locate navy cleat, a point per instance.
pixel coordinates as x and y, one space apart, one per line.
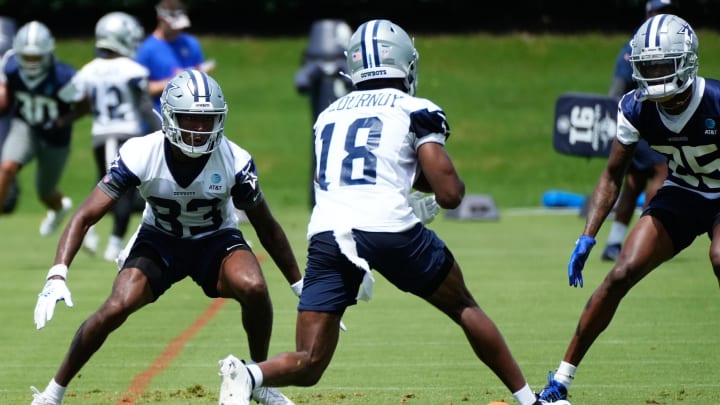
611 252
554 393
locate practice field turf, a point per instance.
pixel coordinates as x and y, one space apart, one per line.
660 349
499 94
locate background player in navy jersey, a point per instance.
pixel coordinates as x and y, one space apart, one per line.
372 146
193 178
32 85
648 168
676 112
117 87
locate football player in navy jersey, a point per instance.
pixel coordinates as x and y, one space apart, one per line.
676 112
372 147
648 168
32 84
193 180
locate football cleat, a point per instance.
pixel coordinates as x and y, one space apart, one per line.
114 247
53 219
236 385
611 252
554 393
40 398
91 241
270 396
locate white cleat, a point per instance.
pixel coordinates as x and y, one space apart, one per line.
91 242
40 398
235 382
114 247
270 396
53 219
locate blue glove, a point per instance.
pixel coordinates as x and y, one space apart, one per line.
583 246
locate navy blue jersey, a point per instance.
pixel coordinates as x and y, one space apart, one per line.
42 103
689 140
623 68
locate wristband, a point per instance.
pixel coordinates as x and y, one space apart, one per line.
58 270
297 287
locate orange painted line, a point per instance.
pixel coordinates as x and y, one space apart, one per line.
140 383
172 350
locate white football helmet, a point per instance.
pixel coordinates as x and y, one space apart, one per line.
664 57
193 92
380 49
34 46
119 32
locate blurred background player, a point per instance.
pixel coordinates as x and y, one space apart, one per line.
117 87
31 77
648 168
168 49
8 28
323 75
192 178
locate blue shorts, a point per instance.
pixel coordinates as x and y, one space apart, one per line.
645 157
166 259
415 261
684 214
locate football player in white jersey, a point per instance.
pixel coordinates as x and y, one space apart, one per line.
193 180
372 147
676 112
117 87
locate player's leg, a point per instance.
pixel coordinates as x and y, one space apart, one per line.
17 151
715 250
131 291
241 278
624 209
51 161
453 298
648 245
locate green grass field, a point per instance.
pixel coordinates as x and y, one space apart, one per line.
499 94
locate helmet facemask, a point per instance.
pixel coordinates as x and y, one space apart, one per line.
664 57
34 46
193 93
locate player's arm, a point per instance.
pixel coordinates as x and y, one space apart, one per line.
92 209
608 186
439 175
274 240
247 196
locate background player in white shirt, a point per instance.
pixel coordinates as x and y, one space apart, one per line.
193 180
372 146
117 87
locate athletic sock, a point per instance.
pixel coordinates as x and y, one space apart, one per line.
525 396
617 233
565 374
55 391
256 374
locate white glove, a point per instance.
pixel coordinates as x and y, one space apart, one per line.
424 207
297 289
55 290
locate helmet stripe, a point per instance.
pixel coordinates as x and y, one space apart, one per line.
33 33
653 31
200 84
370 54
